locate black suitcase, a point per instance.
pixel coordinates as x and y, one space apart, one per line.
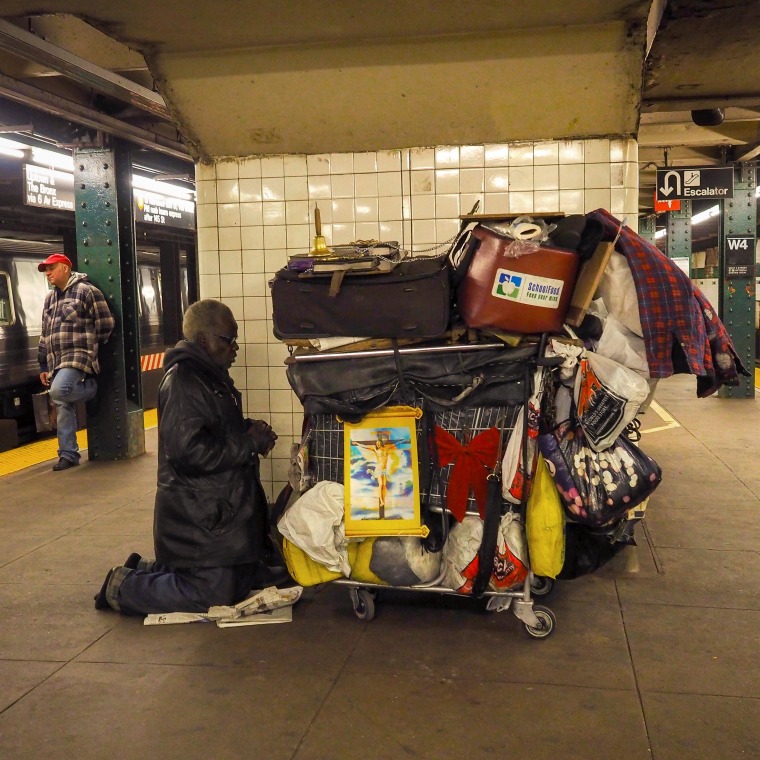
412 300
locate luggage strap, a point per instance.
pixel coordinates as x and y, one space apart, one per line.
491 521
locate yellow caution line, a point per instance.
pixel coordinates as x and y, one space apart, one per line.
42 451
669 421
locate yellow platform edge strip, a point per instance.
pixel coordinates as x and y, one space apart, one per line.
47 450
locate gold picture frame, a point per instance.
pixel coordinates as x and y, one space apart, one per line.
381 474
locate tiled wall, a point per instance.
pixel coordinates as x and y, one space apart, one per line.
254 212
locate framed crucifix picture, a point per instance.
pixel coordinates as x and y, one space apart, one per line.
381 475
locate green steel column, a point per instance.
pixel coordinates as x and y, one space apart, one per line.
679 233
737 305
106 252
648 227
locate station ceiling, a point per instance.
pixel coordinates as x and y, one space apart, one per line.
195 80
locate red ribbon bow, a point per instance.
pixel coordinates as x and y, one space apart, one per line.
472 465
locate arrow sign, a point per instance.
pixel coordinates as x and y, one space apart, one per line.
666 188
694 183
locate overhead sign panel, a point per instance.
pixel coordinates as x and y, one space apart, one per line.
156 208
52 189
48 188
695 183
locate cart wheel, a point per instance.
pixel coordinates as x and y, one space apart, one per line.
546 621
364 604
540 585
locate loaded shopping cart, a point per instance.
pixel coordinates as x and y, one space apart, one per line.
412 441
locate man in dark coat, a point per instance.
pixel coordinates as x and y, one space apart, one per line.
211 524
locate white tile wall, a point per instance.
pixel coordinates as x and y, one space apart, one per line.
253 213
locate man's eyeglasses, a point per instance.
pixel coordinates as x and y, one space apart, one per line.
227 339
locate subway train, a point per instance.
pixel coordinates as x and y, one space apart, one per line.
22 293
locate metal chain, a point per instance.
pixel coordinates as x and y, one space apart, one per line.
440 245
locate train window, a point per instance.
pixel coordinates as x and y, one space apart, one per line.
32 287
7 316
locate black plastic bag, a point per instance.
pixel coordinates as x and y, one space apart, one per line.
586 551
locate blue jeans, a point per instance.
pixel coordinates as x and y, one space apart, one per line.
155 588
69 386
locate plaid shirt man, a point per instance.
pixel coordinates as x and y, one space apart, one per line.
74 321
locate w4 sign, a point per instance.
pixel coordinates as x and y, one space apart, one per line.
740 256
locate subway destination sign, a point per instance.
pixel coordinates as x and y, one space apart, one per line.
694 183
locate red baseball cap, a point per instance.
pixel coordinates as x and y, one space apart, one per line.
56 258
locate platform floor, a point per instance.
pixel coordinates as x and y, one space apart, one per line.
655 657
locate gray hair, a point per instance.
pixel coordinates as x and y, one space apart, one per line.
204 316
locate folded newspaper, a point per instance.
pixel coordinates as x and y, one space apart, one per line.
271 605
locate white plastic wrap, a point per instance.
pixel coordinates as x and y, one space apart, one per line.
314 523
618 291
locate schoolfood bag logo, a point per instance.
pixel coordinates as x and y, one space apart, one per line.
527 288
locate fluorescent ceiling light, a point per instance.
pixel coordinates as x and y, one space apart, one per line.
10 152
702 216
11 148
50 158
161 188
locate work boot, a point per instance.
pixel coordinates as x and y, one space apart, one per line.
271 575
132 561
101 603
64 464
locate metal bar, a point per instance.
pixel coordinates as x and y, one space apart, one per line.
106 247
649 104
33 48
429 589
679 233
27 95
737 302
391 352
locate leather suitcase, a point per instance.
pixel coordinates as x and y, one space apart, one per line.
412 300
527 294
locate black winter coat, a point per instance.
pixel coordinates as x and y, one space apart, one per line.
210 507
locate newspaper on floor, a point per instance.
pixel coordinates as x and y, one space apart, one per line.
271 605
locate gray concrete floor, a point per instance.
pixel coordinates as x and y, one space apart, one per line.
655 657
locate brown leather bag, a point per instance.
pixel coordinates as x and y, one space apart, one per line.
526 294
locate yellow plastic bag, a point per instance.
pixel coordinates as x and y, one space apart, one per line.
545 525
303 569
307 572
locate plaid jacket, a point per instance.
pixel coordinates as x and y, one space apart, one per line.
682 332
74 322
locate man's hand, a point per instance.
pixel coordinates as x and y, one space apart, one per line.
44 379
263 436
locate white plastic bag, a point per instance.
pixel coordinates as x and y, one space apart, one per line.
622 345
607 397
460 554
515 473
618 291
315 524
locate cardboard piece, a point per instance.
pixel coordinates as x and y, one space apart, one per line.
587 283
